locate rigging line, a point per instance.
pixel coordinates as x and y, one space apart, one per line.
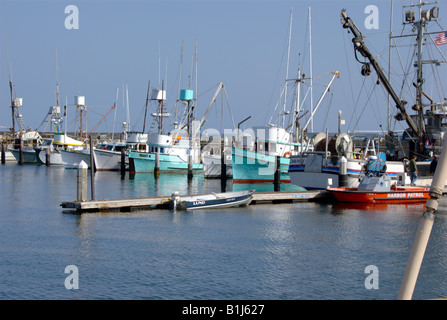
405 71
379 121
277 104
434 73
356 102
364 107
328 109
229 108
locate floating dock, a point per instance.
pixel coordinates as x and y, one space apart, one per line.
136 204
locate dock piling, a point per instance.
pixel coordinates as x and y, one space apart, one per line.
92 169
82 182
277 178
3 153
47 157
21 160
343 173
123 163
157 164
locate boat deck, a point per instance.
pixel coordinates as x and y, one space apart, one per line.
136 204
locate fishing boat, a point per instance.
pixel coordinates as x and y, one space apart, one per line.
51 147
29 140
213 200
172 152
378 189
108 156
255 158
313 169
72 158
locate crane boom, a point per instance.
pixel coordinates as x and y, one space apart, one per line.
360 46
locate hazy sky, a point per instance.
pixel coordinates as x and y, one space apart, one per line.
241 43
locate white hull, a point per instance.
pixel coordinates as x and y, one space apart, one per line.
55 157
106 160
72 159
213 168
317 172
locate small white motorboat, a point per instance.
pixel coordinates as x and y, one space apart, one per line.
213 200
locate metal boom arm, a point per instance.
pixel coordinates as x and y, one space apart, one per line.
360 46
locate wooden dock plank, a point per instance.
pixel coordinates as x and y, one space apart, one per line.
164 202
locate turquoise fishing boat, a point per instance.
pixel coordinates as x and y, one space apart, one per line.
174 150
251 167
254 158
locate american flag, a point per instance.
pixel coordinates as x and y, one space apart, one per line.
441 39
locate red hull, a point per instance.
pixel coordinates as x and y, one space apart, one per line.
397 195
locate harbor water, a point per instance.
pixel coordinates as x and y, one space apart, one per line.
263 251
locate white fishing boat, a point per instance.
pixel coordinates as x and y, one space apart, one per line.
108 156
72 158
51 148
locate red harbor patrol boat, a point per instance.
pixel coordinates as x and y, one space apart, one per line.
378 189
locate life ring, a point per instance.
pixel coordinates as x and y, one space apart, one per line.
287 154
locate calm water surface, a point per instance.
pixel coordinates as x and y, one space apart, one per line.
283 251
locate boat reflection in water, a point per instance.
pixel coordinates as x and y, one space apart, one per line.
410 208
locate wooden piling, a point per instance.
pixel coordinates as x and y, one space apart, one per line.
123 162
190 175
81 194
92 169
157 164
3 153
47 156
277 178
21 160
223 165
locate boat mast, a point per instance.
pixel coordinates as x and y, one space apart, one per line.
145 109
287 69
418 107
388 122
12 97
178 85
311 75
